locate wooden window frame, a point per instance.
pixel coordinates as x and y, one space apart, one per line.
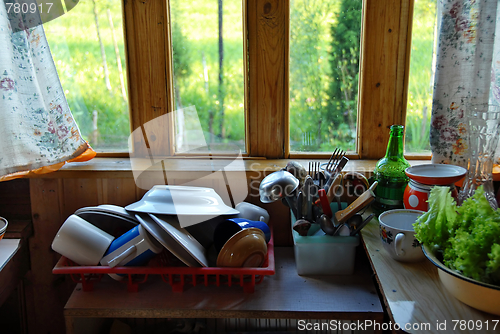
383 83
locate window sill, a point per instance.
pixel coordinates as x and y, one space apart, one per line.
122 168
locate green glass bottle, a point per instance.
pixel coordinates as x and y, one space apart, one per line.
390 174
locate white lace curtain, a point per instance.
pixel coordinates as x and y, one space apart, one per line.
38 131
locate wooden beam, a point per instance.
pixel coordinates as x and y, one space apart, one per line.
383 73
267 24
149 70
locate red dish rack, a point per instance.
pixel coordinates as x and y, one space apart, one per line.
167 266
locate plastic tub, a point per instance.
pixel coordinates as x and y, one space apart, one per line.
324 254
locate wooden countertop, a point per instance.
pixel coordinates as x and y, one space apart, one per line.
413 293
284 295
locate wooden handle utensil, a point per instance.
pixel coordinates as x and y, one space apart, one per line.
362 201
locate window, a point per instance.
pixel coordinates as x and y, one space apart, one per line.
324 67
157 87
88 49
421 77
209 94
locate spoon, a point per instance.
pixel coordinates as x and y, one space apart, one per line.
342 230
300 200
326 224
363 224
355 220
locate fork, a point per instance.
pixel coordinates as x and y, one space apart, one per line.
332 164
313 168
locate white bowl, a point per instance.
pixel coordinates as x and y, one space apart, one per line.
482 296
192 205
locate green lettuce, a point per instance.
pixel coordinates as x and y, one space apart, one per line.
467 236
434 227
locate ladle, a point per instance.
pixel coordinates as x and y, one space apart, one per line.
278 185
302 226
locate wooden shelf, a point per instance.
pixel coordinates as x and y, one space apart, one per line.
413 293
285 295
120 167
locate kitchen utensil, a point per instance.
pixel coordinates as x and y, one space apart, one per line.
166 240
308 198
436 174
355 220
247 248
353 184
342 230
325 203
252 212
334 188
361 202
300 205
479 295
302 227
81 242
110 210
278 185
111 223
334 160
182 237
326 224
398 235
343 161
316 206
320 179
229 227
313 168
360 226
134 248
297 170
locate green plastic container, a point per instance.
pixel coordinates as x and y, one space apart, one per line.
317 254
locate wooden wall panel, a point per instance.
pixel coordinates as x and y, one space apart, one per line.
46 293
15 200
79 193
120 192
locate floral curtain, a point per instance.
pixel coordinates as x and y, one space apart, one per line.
39 134
467 70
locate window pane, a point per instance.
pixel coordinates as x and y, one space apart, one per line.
324 67
87 47
207 41
421 77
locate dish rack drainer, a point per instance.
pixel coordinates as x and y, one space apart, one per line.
172 272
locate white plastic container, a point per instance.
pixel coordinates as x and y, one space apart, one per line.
324 254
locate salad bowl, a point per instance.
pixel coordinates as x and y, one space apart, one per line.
482 296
